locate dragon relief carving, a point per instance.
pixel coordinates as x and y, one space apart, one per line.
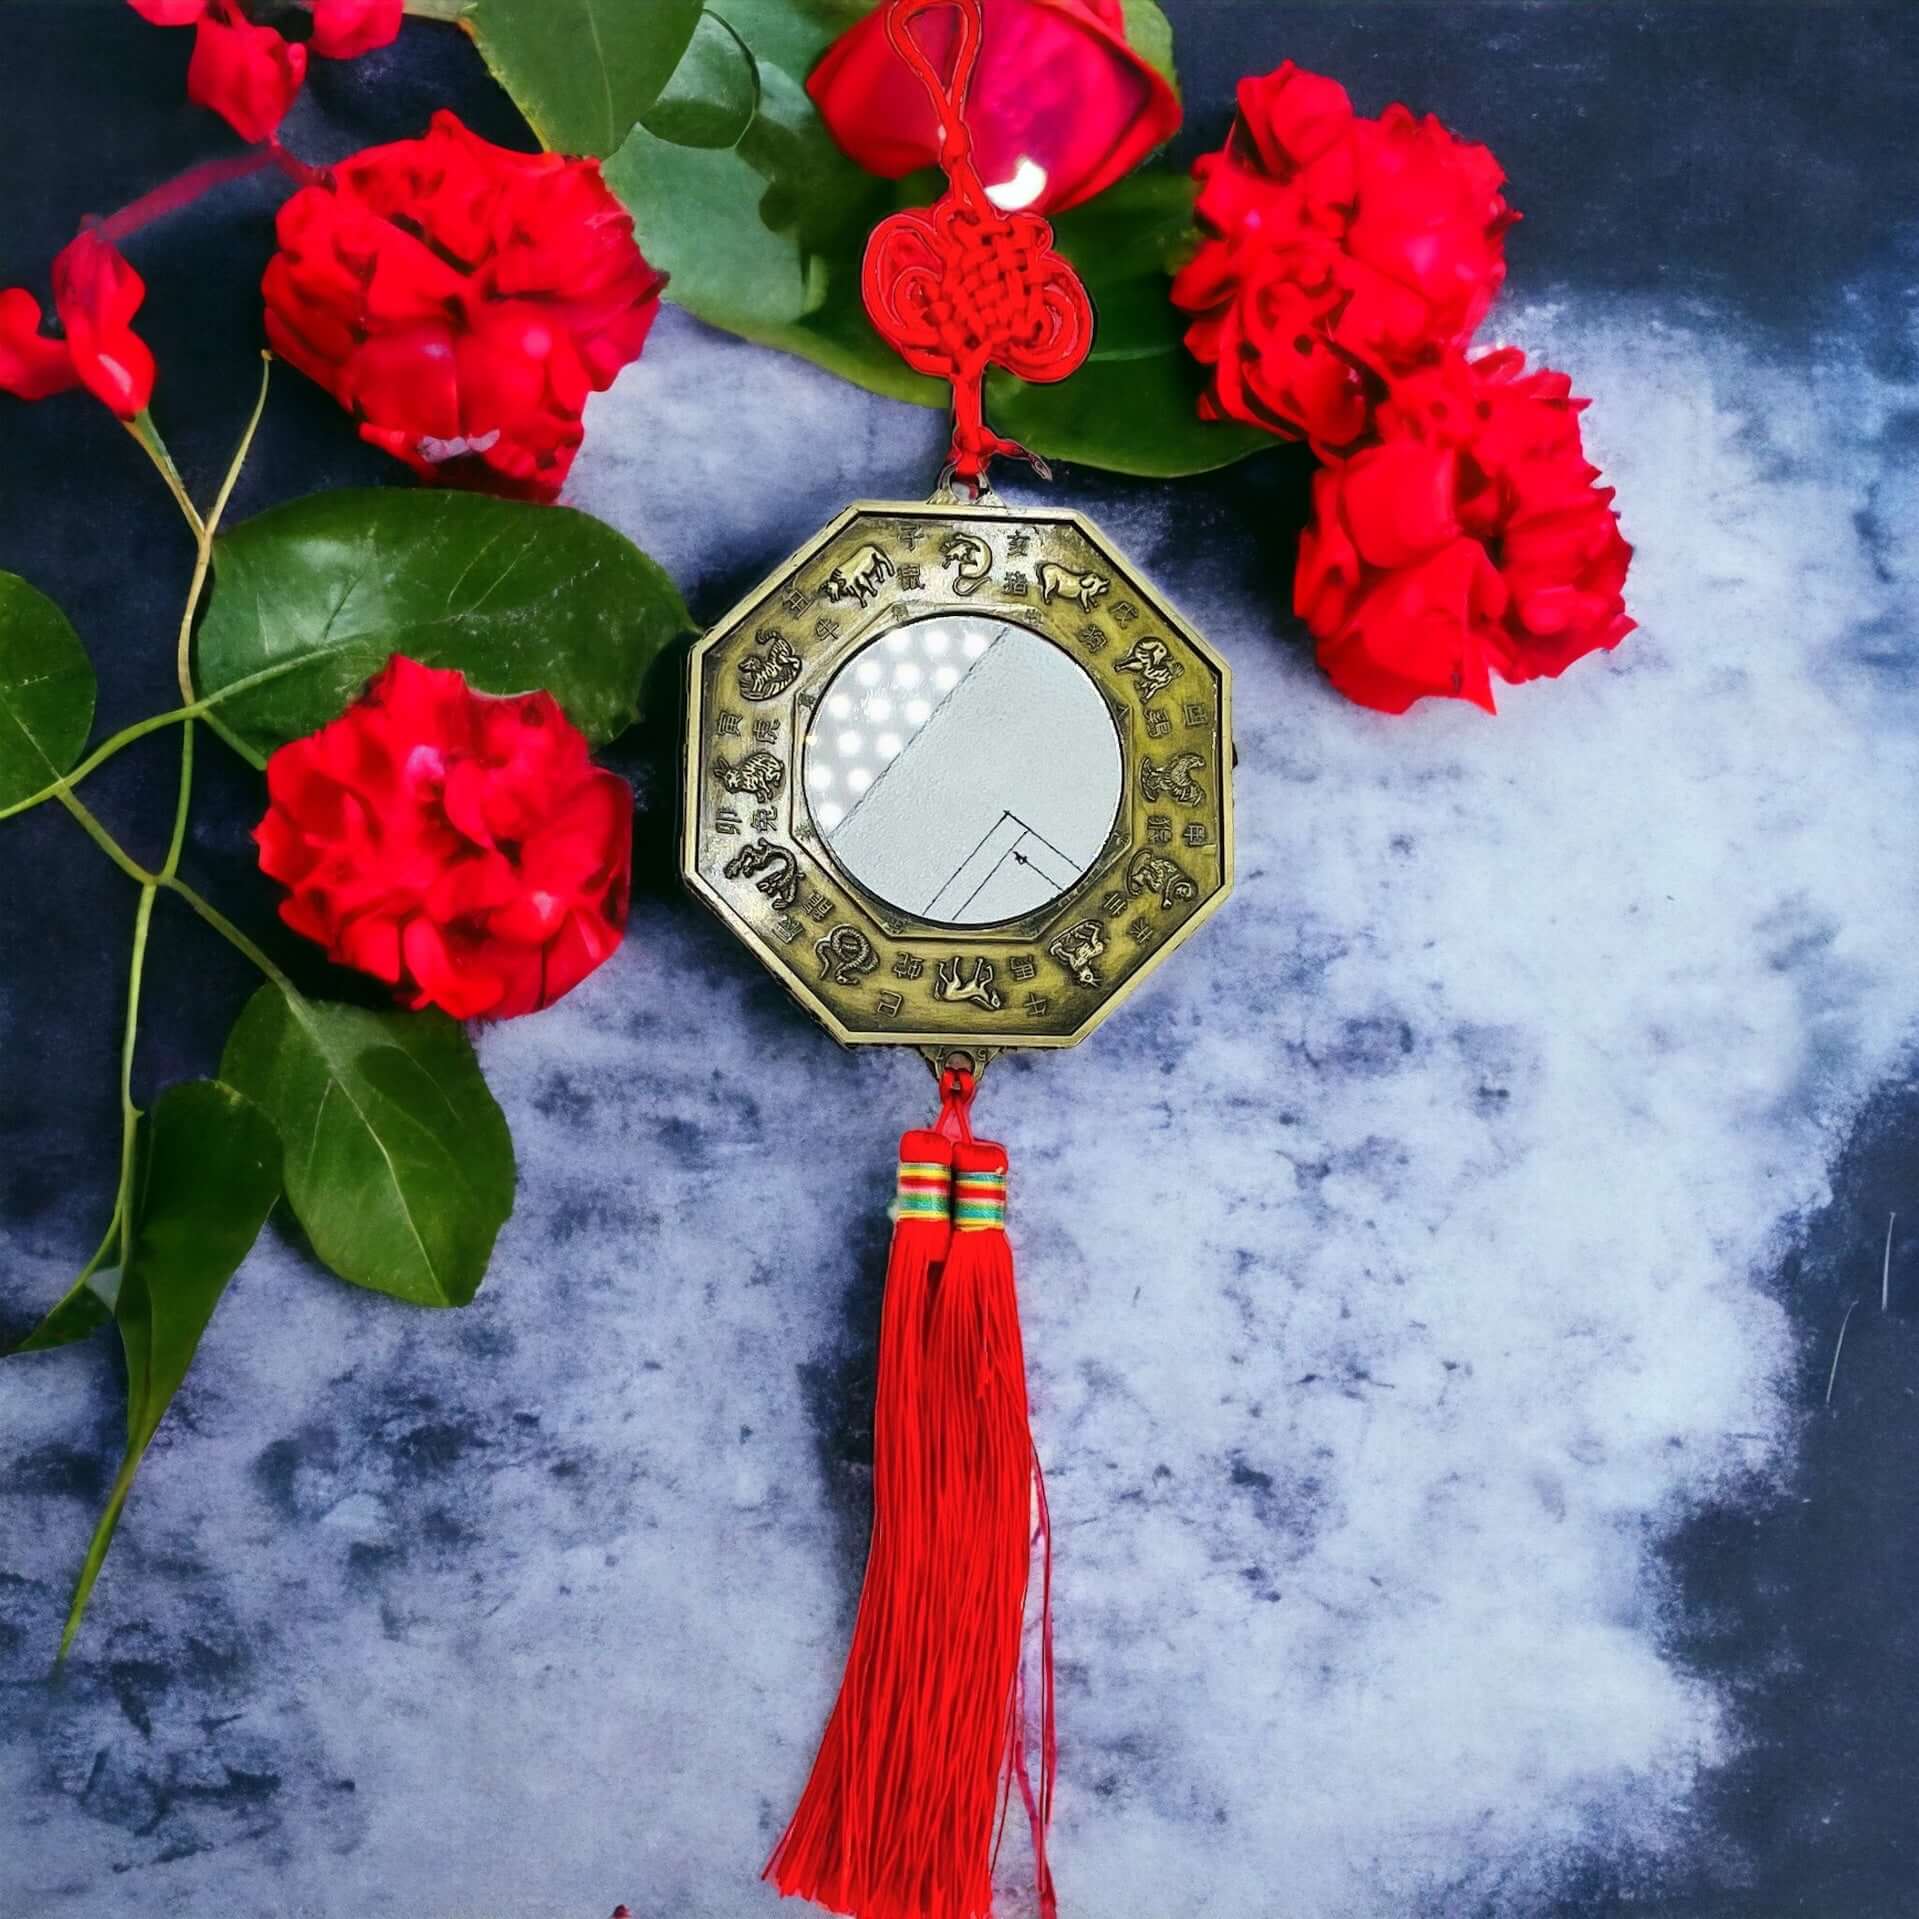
771 868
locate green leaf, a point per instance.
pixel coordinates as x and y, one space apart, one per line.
46 691
1150 34
209 1174
766 241
583 71
714 92
310 599
398 1161
85 1306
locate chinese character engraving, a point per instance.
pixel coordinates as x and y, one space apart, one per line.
908 966
1195 834
1015 585
1022 966
1159 828
1157 724
888 1004
727 726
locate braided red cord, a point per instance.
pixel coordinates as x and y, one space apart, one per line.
958 286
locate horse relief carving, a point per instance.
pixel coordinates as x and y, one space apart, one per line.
861 577
950 982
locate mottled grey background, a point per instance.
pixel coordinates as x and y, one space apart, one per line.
1431 1282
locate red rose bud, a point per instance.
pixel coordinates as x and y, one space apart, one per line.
345 29
462 301
1060 106
1471 539
1339 251
245 73
96 295
460 847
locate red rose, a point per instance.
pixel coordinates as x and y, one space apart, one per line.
463 848
245 72
1470 539
1060 106
1340 251
462 301
96 295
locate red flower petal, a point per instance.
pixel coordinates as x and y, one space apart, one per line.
169 13
31 366
97 295
462 300
247 74
345 29
461 847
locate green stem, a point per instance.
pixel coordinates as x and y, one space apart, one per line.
148 436
130 1113
231 933
101 754
204 532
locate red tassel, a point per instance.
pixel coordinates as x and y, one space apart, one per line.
899 1819
985 1487
848 1846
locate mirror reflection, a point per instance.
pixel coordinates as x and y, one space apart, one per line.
963 769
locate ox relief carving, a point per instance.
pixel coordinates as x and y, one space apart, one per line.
861 577
771 868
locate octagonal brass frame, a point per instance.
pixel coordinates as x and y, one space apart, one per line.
871 973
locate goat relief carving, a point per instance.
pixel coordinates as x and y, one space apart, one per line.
976 988
1156 668
771 868
1061 582
861 577
766 675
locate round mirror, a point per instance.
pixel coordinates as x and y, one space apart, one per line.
963 769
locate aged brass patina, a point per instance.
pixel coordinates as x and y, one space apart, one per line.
872 972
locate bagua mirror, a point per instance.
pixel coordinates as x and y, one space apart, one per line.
958 776
961 778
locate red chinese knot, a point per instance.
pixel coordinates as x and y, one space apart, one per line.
960 286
